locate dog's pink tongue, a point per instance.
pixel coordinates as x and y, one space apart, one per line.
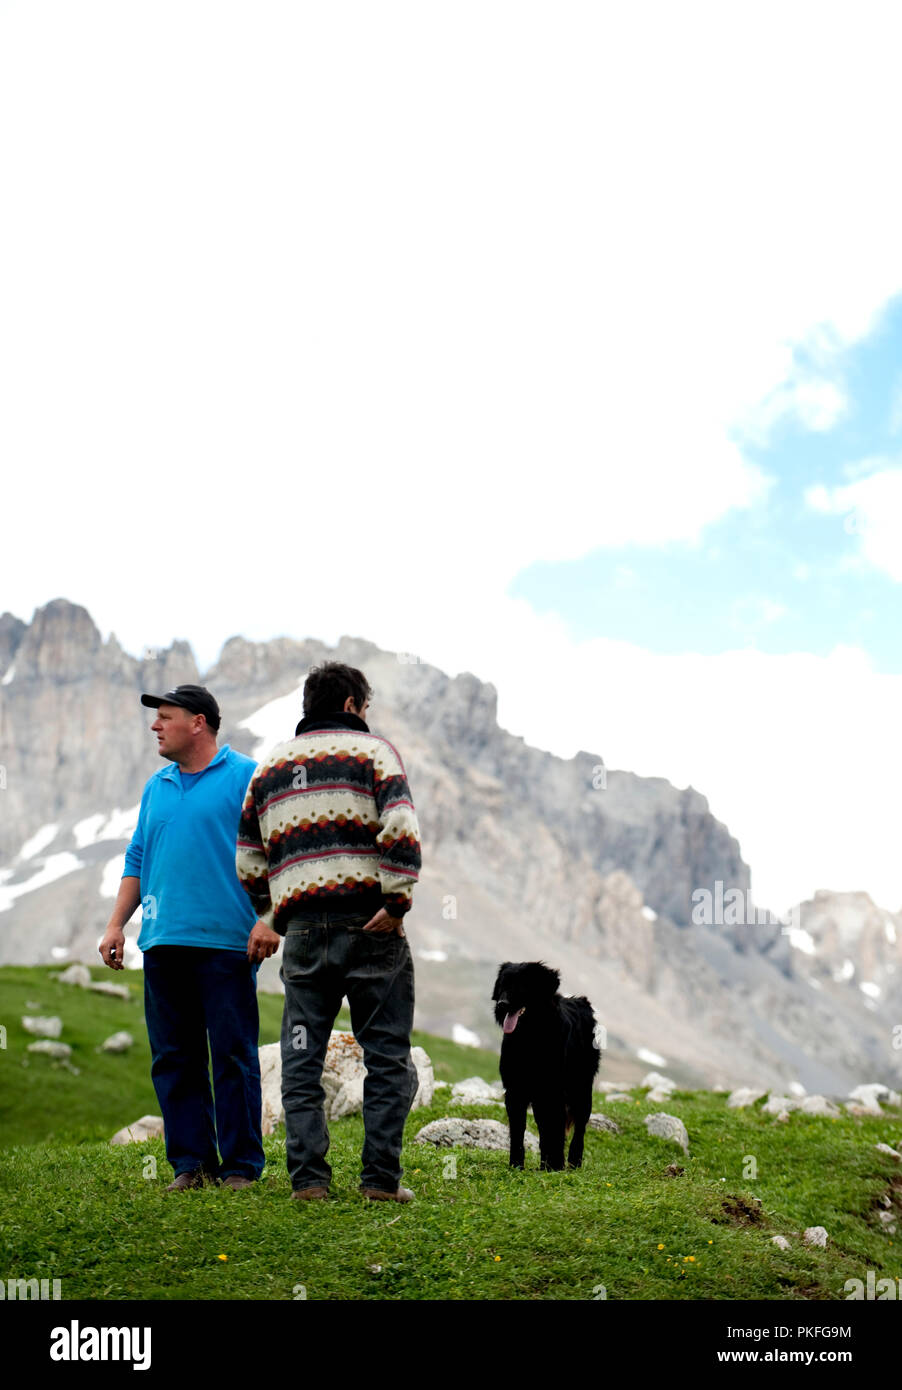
510 1022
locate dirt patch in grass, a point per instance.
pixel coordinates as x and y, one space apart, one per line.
815 1292
889 1202
740 1212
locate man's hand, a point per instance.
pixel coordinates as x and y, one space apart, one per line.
114 940
383 923
262 943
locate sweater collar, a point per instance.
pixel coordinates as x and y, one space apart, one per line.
338 719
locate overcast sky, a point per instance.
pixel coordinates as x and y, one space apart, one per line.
555 342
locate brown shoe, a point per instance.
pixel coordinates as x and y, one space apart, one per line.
379 1194
188 1181
304 1194
236 1181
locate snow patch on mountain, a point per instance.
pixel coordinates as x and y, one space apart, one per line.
86 832
270 722
112 876
39 841
801 940
55 866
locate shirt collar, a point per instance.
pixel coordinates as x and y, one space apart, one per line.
172 771
338 719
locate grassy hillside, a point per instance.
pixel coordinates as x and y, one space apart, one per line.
40 1099
640 1220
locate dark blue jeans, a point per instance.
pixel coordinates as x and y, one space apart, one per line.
190 993
324 958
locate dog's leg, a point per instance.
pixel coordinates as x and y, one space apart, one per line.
575 1154
551 1120
515 1104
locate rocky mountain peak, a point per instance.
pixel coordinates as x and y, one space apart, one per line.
12 630
60 644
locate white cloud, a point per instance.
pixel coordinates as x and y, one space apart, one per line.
815 401
512 325
872 507
368 308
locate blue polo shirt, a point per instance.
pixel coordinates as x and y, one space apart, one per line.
183 851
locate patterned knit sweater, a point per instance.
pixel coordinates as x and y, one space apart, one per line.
328 822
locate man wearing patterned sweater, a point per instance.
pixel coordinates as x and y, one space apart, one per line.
328 852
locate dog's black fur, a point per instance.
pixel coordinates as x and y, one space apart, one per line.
548 1059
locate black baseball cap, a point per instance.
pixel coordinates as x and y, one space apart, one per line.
195 698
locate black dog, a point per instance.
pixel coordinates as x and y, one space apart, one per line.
548 1058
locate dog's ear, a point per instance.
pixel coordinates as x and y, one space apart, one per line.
551 978
501 970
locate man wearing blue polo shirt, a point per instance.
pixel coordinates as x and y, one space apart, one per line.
202 945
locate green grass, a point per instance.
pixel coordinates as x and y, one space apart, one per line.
96 1217
112 1089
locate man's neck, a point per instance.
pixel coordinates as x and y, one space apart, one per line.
198 759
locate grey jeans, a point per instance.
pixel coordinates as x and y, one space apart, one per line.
323 959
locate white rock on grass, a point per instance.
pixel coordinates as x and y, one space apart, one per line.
148 1127
621 1096
607 1086
776 1105
816 1235
781 1241
75 975
61 1051
873 1092
107 987
819 1105
457 1132
603 1124
796 1088
656 1082
43 1027
476 1091
342 1079
854 1107
117 1042
656 1096
665 1126
886 1149
743 1096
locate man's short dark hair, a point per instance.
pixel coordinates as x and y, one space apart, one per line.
328 686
